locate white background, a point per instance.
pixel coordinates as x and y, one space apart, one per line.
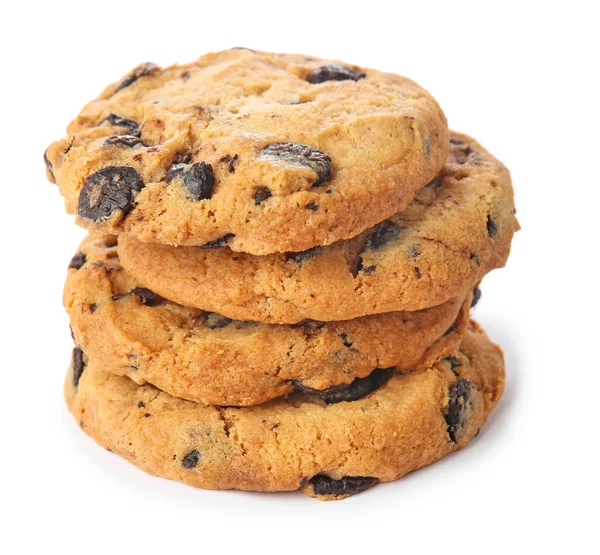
523 80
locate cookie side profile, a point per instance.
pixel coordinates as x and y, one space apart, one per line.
328 450
454 232
255 151
208 358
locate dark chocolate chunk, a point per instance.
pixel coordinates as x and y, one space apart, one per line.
261 194
384 233
149 298
230 161
49 166
345 340
300 155
309 328
354 391
348 485
191 459
78 365
492 229
302 256
78 261
459 405
109 189
140 71
453 362
197 179
119 121
124 140
219 242
312 206
476 296
216 321
141 405
334 72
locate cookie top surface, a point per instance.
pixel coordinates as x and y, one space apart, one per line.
208 358
261 152
454 232
330 450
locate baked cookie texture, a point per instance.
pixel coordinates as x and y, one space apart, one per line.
260 152
456 230
327 450
205 357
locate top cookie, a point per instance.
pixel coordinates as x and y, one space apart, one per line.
260 152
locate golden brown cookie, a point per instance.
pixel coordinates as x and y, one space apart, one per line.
329 451
260 152
208 358
456 230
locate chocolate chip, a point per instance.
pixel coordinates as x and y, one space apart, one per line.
230 161
141 405
345 340
354 391
109 189
120 121
191 459
453 362
140 71
149 298
78 365
124 140
300 155
368 270
216 321
309 328
49 166
348 485
197 178
417 271
459 404
384 233
261 194
312 206
492 229
476 296
220 242
334 72
303 256
78 261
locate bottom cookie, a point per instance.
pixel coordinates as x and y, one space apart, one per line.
330 451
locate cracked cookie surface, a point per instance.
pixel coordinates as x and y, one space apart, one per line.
455 231
205 357
330 451
260 152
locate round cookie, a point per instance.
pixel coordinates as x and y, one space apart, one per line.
208 358
456 230
329 451
260 152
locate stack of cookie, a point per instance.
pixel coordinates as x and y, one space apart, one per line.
276 287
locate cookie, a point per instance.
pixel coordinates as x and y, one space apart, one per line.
456 230
205 357
260 152
330 451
